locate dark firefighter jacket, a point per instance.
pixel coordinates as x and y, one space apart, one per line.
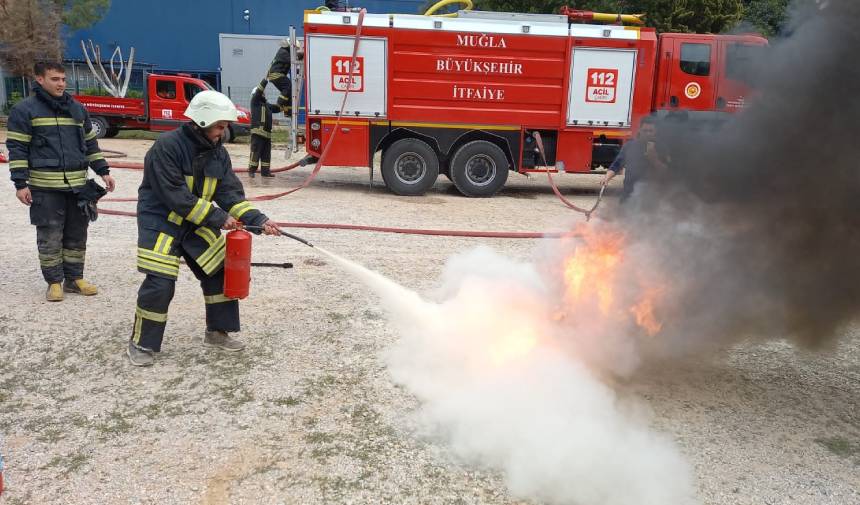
51 143
280 64
183 175
261 112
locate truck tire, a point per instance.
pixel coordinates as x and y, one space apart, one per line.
479 169
112 132
100 126
410 167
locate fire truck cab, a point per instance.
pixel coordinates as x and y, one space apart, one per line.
465 97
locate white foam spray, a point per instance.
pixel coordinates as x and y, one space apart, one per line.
485 364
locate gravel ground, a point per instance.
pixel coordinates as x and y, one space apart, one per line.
308 413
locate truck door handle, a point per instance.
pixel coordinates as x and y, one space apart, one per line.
673 101
721 102
345 130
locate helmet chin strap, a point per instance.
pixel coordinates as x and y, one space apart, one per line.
201 131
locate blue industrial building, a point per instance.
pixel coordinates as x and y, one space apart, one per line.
182 35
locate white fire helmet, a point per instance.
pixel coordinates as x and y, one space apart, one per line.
209 106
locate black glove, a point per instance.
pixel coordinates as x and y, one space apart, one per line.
88 196
89 209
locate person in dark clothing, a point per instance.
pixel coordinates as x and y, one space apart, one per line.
261 132
51 144
185 172
279 75
640 159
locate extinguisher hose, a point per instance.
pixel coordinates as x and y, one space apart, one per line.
285 234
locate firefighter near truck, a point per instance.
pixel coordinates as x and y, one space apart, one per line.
471 97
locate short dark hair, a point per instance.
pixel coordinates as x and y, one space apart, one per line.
41 67
648 120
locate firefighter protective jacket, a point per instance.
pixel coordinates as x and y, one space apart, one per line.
261 112
51 143
184 174
280 64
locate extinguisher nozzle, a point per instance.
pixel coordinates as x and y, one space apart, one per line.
296 238
285 234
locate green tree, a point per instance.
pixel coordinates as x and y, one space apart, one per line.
31 30
80 14
768 16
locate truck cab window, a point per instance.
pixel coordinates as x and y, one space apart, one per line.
742 61
165 89
696 59
191 90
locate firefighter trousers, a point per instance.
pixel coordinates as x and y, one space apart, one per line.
156 293
261 153
61 234
285 87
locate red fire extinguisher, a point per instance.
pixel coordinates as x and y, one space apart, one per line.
237 264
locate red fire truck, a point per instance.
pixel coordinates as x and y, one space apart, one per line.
465 96
164 101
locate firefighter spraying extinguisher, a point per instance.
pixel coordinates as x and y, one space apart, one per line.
184 221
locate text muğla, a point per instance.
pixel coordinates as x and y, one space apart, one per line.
482 40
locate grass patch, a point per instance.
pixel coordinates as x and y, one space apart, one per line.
336 317
335 487
51 435
289 401
237 396
69 463
319 437
115 424
839 446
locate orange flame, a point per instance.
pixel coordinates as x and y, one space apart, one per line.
590 273
591 269
643 312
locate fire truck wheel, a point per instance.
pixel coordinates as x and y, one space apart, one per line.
100 126
112 132
410 167
479 169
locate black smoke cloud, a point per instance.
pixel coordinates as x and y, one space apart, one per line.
757 231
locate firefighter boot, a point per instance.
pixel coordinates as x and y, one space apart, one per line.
139 356
222 340
54 293
80 287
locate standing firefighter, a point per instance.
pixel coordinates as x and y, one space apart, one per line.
51 144
641 159
185 171
261 131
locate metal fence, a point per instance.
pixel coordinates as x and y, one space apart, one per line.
80 78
